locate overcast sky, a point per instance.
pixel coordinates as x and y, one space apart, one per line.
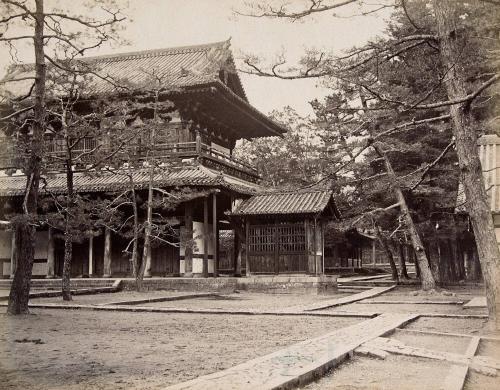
165 23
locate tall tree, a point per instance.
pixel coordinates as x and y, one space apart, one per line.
454 31
51 32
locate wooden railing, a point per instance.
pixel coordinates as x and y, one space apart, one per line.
183 150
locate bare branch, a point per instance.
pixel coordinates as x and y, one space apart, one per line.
432 165
18 112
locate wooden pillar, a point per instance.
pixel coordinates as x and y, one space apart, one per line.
50 255
188 247
13 254
318 246
107 253
374 252
198 142
149 257
91 256
205 237
215 235
247 257
236 254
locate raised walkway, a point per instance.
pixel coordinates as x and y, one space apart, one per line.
300 363
373 292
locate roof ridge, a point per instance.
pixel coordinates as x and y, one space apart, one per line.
283 192
156 52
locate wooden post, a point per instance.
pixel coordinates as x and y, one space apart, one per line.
91 256
236 254
247 258
205 238
50 255
215 233
107 253
13 254
188 251
374 252
198 142
147 268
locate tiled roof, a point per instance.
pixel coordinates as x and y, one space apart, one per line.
489 154
195 175
179 67
304 202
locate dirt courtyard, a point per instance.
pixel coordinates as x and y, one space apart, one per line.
70 349
85 349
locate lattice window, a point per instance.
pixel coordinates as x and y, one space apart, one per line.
261 239
291 238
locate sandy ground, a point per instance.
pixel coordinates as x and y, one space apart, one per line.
470 326
458 293
435 342
252 301
407 308
59 349
103 298
395 372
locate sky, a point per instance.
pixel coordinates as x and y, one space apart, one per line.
153 24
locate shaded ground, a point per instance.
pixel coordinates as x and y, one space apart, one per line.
114 350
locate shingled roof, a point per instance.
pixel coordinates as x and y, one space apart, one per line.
194 175
279 203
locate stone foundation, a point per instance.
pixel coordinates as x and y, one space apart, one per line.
280 284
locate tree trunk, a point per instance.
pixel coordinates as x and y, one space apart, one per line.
68 233
388 252
135 244
434 259
464 130
426 278
25 230
402 263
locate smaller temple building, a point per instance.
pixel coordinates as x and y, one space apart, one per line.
284 231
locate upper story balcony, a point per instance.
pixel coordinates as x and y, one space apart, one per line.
175 153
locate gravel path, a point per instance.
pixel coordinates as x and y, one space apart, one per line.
112 350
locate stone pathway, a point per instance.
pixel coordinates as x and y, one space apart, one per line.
373 292
299 363
476 302
361 278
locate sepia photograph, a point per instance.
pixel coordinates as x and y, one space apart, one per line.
250 194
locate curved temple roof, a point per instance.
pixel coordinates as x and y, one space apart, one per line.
208 69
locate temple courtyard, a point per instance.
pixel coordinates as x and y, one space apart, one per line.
369 338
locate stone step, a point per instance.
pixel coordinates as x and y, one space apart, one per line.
55 284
